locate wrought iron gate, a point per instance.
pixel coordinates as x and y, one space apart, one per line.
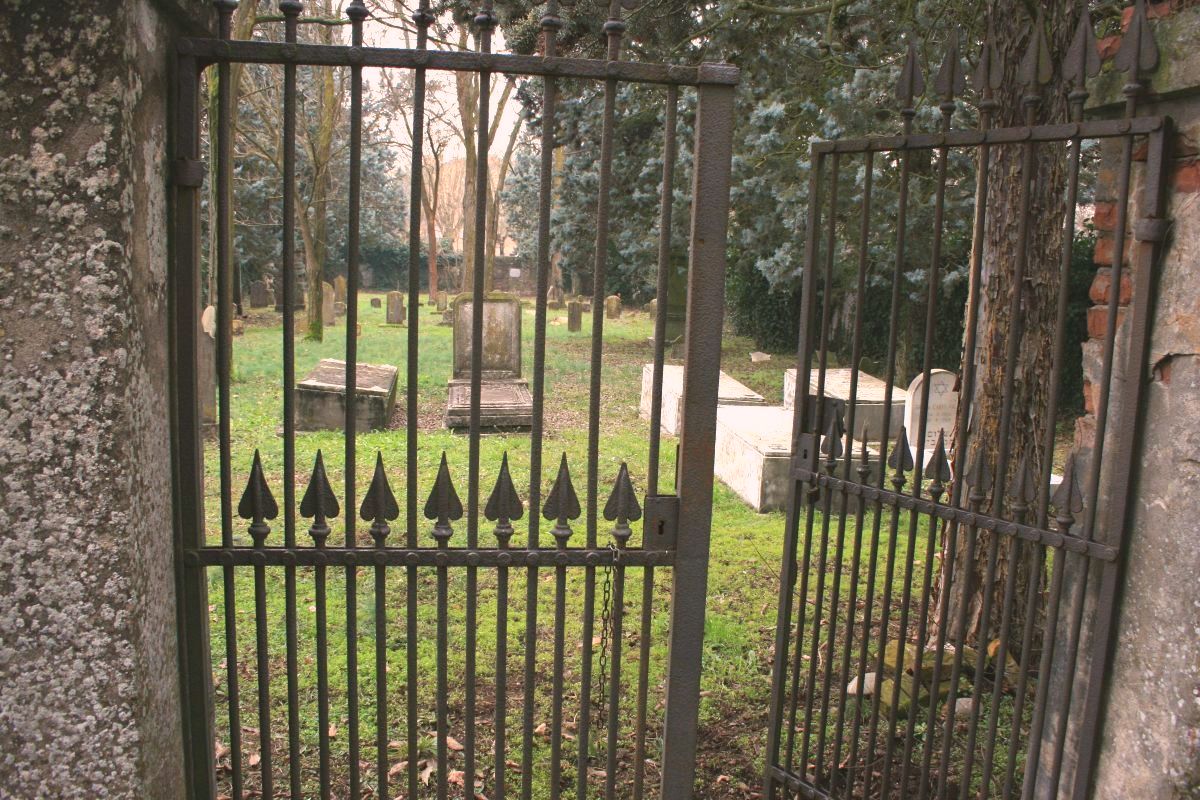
866 682
676 526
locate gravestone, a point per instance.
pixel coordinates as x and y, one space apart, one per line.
729 392
869 408
206 379
554 297
260 295
376 302
574 316
504 398
395 308
339 308
652 307
442 302
321 396
612 306
339 289
327 303
942 413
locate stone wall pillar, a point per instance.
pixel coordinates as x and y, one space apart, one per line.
89 686
1150 736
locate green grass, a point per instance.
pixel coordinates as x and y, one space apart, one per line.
743 575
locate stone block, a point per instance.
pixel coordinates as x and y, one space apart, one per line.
869 408
339 309
943 410
327 301
260 295
574 316
729 392
503 404
612 306
321 396
376 302
339 289
395 308
501 337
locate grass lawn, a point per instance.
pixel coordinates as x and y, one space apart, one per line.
742 592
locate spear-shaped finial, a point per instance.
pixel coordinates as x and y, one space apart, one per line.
1067 499
504 504
912 83
562 504
864 455
1023 487
1139 51
622 506
1083 56
257 503
319 502
831 442
938 467
979 475
989 72
379 506
901 458
443 504
1036 67
950 80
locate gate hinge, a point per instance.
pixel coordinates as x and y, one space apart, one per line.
806 459
661 522
188 172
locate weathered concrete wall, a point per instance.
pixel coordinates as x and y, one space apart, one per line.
1150 745
89 698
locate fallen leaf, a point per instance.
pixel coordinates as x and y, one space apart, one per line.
455 778
332 731
397 769
453 744
540 730
427 770
254 759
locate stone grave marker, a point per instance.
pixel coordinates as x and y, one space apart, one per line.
554 297
339 308
260 295
376 302
339 289
574 316
729 392
206 379
321 396
395 308
942 413
612 306
505 401
868 414
652 307
327 303
443 302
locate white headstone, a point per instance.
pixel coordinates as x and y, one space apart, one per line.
943 409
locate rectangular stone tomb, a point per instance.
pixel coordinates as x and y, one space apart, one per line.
321 396
868 410
730 392
502 404
754 456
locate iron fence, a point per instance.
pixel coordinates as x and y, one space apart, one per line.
988 682
470 569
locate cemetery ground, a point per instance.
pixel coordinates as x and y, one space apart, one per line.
742 590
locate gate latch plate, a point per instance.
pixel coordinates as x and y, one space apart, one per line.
806 462
661 522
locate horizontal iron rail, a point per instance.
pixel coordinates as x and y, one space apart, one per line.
984 522
797 785
1091 129
248 52
425 557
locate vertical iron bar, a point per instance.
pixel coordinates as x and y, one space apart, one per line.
322 679
666 201
1149 249
550 24
422 18
501 709
188 447
787 580
357 12
556 674
224 266
264 677
485 22
613 29
381 679
856 354
826 511
443 684
705 309
614 678
935 264
643 685
291 10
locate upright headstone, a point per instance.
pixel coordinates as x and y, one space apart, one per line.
554 297
260 295
443 302
395 308
376 302
942 413
327 301
574 316
652 307
505 401
612 306
339 289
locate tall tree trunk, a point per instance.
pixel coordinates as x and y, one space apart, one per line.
316 243
1038 300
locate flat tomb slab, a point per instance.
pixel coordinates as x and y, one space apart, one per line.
502 404
868 409
321 396
754 454
730 392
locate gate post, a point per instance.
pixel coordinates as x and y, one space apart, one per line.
702 354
